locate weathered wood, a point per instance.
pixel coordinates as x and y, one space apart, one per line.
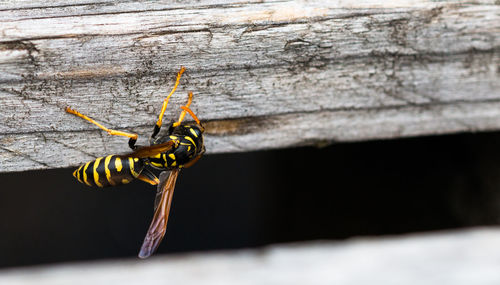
265 74
458 257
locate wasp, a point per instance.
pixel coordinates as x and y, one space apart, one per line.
180 147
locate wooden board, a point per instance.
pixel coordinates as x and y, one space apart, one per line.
265 75
457 257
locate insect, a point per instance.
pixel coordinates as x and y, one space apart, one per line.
180 147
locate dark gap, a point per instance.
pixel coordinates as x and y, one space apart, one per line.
252 199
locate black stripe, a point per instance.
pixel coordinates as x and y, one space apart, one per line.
102 173
80 173
90 173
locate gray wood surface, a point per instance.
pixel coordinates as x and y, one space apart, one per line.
265 74
456 257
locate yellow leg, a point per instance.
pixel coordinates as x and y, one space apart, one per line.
185 109
149 177
165 102
183 113
191 113
110 131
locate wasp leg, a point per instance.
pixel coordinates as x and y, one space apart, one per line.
170 129
132 137
149 177
191 113
165 103
194 160
185 109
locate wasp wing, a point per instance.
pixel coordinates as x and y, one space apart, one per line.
158 226
160 189
148 151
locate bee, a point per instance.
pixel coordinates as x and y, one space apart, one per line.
180 147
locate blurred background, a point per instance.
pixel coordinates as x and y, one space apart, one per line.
229 201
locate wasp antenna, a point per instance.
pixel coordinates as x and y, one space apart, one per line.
165 101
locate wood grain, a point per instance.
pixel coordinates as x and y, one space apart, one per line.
265 75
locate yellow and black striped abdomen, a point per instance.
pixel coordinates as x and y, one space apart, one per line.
109 171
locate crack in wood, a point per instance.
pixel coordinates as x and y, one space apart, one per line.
25 156
246 125
137 11
70 146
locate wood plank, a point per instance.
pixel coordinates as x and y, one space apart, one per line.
455 257
265 75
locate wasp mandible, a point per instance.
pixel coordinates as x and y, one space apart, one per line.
180 147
